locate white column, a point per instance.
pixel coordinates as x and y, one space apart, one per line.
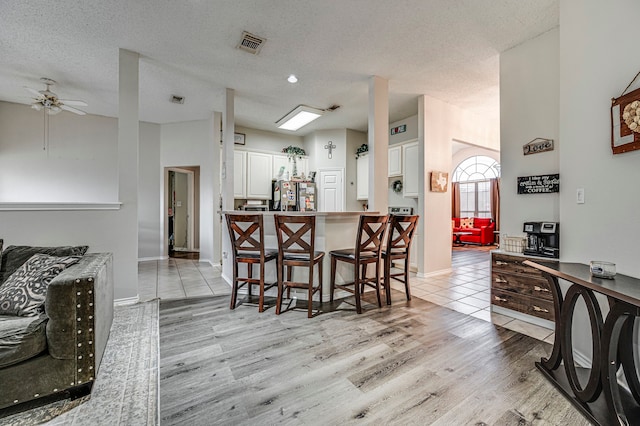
217 187
435 132
378 139
126 259
228 129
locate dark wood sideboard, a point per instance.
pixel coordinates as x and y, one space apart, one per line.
520 287
595 391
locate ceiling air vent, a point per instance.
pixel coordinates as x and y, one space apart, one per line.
177 99
251 43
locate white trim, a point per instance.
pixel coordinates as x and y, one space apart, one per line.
153 258
434 273
210 262
227 279
27 206
126 301
524 317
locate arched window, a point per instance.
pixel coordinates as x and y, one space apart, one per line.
473 175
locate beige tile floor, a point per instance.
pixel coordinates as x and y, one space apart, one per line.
465 289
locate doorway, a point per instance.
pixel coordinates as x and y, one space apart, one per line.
182 207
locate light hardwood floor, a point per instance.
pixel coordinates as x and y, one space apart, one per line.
411 363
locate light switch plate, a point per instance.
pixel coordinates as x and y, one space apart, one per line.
580 196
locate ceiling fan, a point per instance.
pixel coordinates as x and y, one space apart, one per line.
49 101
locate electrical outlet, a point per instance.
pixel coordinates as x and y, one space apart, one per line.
224 254
580 196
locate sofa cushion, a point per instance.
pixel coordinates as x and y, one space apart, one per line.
15 256
479 222
25 290
21 338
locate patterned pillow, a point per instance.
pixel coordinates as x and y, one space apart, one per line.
466 223
24 292
14 257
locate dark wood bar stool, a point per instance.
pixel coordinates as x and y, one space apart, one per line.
401 231
247 242
296 247
367 250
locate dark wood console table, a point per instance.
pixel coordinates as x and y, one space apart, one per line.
595 391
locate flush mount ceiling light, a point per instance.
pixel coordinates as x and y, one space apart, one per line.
300 116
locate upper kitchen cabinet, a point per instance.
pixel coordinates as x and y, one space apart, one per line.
410 172
395 161
362 177
302 166
259 175
239 174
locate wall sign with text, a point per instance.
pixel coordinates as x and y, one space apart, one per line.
541 184
399 129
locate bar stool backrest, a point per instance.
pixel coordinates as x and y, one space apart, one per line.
296 234
370 234
247 233
401 231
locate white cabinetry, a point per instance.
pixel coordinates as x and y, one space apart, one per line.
239 174
259 175
410 169
362 177
302 165
395 161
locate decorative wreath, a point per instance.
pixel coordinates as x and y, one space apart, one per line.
397 186
631 116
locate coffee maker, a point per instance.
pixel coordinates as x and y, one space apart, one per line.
543 239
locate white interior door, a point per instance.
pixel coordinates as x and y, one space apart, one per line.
331 189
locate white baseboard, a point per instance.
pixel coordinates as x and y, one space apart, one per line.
126 301
153 258
227 279
210 262
434 273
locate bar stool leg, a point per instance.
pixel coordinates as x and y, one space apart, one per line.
387 279
356 288
249 275
310 290
261 302
280 289
289 279
378 283
234 289
406 278
333 278
320 278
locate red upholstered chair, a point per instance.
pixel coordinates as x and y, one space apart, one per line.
368 250
247 244
399 236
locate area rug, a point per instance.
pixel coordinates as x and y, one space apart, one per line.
126 389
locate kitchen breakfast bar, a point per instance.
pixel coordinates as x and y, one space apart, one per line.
334 231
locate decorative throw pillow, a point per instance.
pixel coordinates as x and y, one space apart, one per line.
15 256
24 292
466 223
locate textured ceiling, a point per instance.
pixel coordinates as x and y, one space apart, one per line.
447 49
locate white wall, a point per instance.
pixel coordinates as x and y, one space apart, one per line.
354 140
261 140
192 143
529 109
595 66
83 147
79 166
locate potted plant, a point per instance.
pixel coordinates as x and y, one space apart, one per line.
293 153
362 149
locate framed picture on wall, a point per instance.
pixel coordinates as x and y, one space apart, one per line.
239 138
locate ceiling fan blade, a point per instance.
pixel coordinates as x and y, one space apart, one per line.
33 92
71 109
72 102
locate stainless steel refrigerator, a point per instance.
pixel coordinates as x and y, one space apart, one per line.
288 195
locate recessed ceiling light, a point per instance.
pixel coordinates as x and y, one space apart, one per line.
292 79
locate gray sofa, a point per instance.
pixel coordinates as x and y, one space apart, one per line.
57 354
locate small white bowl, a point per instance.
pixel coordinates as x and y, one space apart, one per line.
602 269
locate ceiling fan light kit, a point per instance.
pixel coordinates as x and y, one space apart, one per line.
48 102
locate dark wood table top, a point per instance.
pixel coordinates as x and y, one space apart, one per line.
621 287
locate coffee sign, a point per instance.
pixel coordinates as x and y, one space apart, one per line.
541 184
